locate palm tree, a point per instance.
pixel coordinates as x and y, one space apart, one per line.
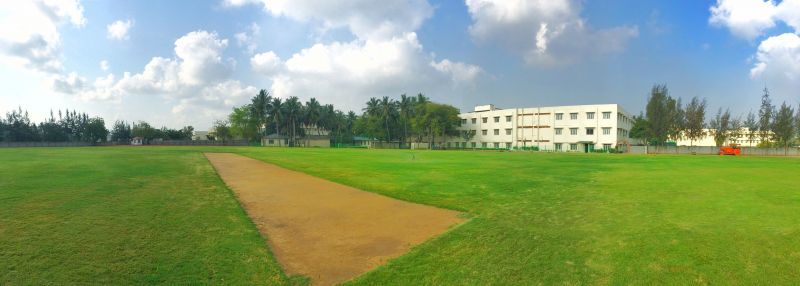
406 106
372 107
293 109
275 112
258 109
387 108
312 114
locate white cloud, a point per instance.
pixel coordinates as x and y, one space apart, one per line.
247 39
543 32
347 74
119 30
366 19
200 53
385 59
266 63
750 19
460 73
70 83
104 65
197 80
744 18
778 57
29 34
777 60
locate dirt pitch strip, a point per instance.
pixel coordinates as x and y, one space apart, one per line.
327 231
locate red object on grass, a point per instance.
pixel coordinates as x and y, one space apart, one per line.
733 150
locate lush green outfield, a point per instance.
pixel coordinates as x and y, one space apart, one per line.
149 215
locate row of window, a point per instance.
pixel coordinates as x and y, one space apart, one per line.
483 144
589 131
496 131
589 115
559 116
486 119
560 131
574 147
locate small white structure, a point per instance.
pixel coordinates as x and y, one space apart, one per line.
199 135
137 141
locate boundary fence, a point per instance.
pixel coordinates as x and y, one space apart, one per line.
711 150
152 143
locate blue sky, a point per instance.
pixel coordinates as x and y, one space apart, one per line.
189 62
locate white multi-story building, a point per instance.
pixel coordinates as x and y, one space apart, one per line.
743 137
578 128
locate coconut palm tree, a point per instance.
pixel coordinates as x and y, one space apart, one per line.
275 112
406 107
312 114
293 110
258 109
387 108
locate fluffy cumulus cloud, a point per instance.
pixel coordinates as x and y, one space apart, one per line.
119 30
267 63
777 59
543 32
29 32
385 58
197 80
750 19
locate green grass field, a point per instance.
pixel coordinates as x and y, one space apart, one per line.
161 215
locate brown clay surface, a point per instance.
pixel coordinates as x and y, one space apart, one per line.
327 231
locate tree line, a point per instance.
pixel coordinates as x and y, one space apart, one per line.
666 119
73 126
406 119
69 126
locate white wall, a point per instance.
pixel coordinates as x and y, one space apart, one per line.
537 126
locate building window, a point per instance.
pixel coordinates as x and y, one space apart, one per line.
590 131
472 144
496 145
508 118
573 131
606 130
463 121
484 132
573 116
474 120
271 141
607 115
508 131
573 147
508 145
559 116
483 144
558 131
497 119
589 115
497 132
606 147
485 119
559 147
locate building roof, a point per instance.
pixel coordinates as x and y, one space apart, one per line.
363 138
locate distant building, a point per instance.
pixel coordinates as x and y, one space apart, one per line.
137 141
275 140
743 139
200 135
577 128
